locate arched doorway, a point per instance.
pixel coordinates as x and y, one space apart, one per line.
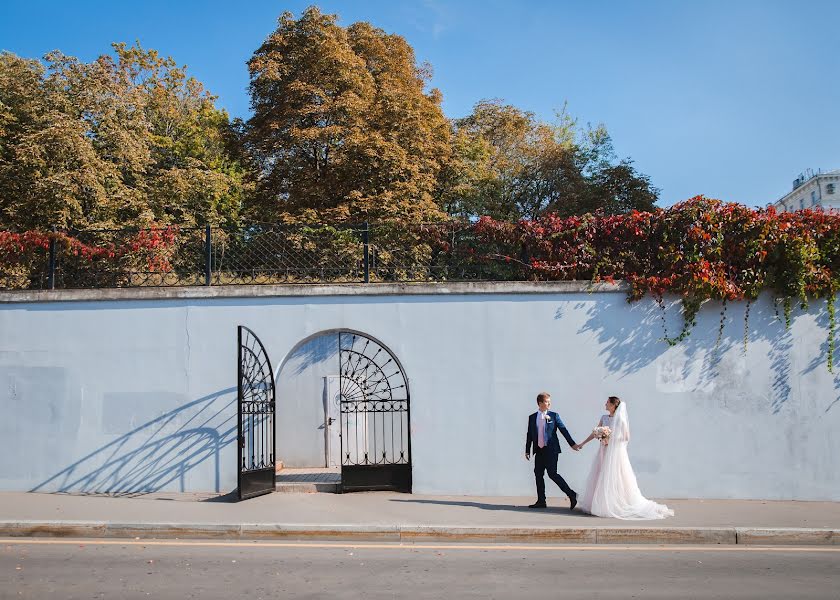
343 401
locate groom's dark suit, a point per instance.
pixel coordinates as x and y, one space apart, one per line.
545 459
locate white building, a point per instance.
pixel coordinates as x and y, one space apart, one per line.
812 190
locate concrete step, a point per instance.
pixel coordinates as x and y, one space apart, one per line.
308 480
306 487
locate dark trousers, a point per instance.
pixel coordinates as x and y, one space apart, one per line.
546 460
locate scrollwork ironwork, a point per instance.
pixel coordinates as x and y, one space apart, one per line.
374 404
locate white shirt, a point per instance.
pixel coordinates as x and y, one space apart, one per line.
541 417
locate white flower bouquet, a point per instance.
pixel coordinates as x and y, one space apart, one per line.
602 434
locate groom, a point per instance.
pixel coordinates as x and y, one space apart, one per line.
542 434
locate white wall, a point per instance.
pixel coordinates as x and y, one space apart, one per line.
124 395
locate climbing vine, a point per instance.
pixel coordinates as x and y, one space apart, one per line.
699 250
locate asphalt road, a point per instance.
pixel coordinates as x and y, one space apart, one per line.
125 569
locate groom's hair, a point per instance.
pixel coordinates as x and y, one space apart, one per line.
542 397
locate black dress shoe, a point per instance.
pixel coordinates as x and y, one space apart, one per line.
572 501
537 504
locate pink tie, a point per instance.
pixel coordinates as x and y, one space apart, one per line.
540 430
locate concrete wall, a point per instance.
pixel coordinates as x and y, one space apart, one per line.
130 390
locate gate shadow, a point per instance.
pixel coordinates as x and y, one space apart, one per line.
149 458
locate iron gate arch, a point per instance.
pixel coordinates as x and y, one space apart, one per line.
256 403
375 416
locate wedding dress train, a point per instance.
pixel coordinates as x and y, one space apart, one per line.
611 489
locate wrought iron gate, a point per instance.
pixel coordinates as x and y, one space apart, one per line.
256 402
374 405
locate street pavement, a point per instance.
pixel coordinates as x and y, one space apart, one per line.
386 508
128 569
383 516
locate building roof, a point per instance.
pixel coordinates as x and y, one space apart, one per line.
804 179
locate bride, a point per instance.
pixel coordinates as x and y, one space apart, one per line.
611 490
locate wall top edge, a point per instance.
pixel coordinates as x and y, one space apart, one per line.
313 290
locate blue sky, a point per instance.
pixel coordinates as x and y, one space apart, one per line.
731 99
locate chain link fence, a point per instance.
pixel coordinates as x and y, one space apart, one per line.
260 253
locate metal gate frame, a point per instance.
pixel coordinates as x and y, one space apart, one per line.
368 389
256 405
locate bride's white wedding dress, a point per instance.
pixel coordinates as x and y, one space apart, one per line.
611 489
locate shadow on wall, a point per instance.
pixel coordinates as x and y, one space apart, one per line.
156 454
629 343
822 319
318 349
708 358
819 361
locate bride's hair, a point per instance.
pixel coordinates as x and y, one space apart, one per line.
614 400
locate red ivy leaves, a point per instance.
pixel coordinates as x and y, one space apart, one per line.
155 245
699 249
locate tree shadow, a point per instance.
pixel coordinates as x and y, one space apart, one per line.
150 458
633 339
781 339
820 359
316 350
630 339
780 365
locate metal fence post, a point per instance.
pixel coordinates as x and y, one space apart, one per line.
366 246
51 268
208 256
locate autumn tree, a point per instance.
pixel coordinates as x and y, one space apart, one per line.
50 170
343 127
125 140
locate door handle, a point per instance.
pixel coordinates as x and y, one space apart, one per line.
330 421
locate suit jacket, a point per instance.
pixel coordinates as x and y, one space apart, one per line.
553 426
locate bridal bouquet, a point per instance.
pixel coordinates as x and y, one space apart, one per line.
602 433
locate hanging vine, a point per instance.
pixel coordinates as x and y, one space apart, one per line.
832 327
747 325
721 324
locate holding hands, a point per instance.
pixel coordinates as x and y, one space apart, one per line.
601 433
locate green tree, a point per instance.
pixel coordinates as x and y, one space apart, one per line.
125 140
591 178
507 164
343 127
194 176
51 170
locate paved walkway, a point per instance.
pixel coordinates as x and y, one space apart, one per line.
387 513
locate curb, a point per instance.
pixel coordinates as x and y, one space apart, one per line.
426 533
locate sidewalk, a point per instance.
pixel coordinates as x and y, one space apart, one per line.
385 516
